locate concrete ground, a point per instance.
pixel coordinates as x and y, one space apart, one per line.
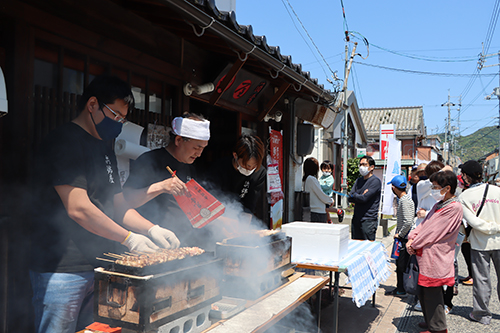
393 314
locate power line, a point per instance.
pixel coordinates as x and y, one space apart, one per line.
308 35
463 109
419 72
487 42
356 82
492 25
434 59
303 38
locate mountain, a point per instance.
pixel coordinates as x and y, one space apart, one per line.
476 145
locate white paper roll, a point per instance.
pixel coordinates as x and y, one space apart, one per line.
126 149
131 132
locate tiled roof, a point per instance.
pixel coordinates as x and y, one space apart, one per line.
220 29
246 31
408 120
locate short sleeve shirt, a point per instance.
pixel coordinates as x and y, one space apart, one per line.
71 156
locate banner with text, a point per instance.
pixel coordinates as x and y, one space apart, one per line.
393 169
386 131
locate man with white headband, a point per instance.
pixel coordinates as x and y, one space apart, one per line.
150 186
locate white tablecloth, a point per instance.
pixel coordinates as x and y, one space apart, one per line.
366 265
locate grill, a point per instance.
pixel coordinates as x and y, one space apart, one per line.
254 265
145 298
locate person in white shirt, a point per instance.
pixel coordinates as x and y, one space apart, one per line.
425 200
484 218
317 198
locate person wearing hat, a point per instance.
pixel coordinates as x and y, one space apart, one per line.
481 209
151 188
406 213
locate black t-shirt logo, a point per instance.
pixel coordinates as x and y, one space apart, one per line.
244 190
109 169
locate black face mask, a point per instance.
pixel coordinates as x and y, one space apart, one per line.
423 177
108 129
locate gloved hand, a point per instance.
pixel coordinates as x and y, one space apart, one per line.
139 243
163 237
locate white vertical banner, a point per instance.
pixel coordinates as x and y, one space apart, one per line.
386 131
393 169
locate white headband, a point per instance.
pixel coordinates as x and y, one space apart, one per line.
193 129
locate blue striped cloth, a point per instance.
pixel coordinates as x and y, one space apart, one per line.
366 266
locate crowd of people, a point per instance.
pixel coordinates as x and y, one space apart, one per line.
81 211
439 213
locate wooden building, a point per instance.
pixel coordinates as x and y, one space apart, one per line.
51 49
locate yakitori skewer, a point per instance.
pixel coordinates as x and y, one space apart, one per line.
108 260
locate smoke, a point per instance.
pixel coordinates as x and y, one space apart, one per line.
235 222
300 320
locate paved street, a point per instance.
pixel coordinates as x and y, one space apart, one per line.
392 314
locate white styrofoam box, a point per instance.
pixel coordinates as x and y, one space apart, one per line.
317 241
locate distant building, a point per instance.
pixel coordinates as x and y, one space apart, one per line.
410 130
490 166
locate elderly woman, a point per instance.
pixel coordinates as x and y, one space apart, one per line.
433 241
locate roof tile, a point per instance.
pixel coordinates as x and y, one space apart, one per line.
408 120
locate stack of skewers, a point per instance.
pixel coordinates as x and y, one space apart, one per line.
142 259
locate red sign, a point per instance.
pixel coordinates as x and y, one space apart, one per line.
256 91
219 90
276 151
242 89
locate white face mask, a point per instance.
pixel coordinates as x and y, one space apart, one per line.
363 170
436 194
244 171
327 174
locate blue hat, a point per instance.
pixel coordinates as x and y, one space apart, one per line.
399 182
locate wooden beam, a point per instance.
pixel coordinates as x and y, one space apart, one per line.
216 95
272 102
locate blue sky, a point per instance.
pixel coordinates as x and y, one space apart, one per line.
441 31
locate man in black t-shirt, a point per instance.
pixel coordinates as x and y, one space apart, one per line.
151 188
79 211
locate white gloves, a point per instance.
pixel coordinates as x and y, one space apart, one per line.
139 243
163 237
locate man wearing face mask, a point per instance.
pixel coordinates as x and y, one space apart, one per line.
365 194
241 176
481 209
79 211
151 188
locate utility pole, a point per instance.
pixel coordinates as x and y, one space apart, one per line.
343 105
496 91
449 104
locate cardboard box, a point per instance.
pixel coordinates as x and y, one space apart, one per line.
317 241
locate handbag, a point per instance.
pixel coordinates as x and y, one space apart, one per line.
396 246
410 277
469 228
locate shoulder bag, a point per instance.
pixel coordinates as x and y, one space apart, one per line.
410 276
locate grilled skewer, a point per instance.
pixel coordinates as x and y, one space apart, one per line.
142 259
